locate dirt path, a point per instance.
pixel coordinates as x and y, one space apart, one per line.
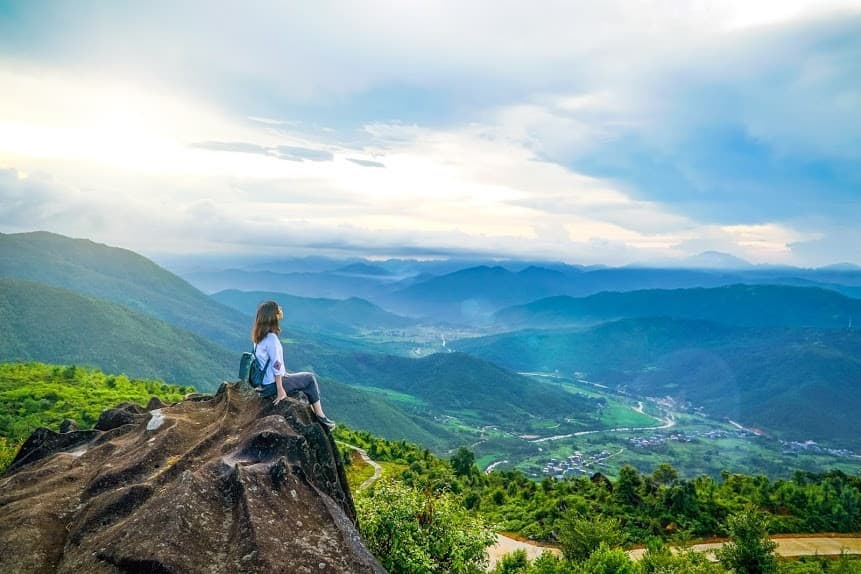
789 546
505 545
378 470
786 546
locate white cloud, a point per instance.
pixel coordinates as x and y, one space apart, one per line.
184 130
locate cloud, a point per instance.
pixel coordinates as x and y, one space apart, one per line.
292 153
271 56
238 147
725 124
751 126
366 162
301 153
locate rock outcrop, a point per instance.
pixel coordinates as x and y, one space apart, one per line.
220 484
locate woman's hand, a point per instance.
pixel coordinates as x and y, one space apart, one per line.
279 386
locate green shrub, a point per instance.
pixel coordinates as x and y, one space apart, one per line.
421 533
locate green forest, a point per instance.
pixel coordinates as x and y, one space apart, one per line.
594 519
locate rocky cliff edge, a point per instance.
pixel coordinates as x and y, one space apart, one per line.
218 484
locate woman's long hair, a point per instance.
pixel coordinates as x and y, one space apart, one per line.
268 315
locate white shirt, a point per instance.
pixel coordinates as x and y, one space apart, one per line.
270 349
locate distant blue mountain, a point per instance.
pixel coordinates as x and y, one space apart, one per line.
363 269
341 316
745 305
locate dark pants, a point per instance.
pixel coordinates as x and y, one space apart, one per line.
305 382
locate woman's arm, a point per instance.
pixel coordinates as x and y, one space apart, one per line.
280 371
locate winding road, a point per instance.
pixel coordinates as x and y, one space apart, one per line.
668 422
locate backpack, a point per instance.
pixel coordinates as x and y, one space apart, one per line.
250 369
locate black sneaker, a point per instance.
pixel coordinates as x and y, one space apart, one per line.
327 422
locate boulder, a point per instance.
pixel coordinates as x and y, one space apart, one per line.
223 484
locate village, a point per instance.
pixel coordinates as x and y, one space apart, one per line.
577 463
583 464
682 436
809 446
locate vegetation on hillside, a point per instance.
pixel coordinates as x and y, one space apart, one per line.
456 384
358 408
34 395
120 276
48 324
411 531
657 505
594 518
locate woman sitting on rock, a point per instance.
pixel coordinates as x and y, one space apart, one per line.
276 380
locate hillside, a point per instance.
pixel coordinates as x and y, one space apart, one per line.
120 276
458 385
744 305
358 408
347 316
41 323
780 379
473 293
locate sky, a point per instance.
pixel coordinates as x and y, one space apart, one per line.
587 132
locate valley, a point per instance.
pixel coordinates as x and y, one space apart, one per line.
645 432
649 376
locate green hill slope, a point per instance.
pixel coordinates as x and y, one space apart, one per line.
123 277
453 384
746 305
347 316
44 323
360 409
802 383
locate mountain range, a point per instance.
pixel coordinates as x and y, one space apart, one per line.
770 355
470 295
744 305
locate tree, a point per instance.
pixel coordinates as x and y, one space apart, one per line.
627 486
606 560
463 462
513 563
416 532
665 474
749 550
581 536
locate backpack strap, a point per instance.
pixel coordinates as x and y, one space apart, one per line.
268 359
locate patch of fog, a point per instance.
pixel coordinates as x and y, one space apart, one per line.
156 421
